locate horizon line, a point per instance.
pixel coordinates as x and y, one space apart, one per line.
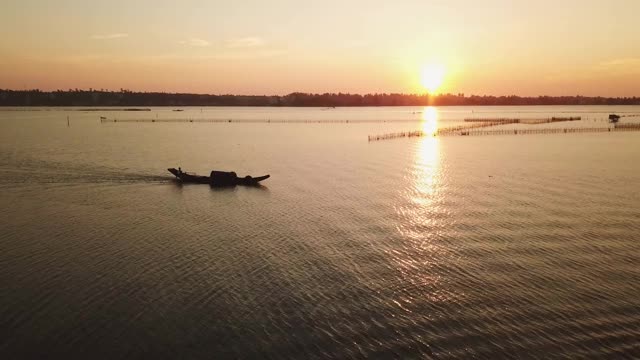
426 94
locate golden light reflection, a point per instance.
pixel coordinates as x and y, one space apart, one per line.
430 120
423 193
427 170
421 224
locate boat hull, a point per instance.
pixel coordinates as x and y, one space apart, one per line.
218 178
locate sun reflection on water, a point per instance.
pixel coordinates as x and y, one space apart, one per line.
423 189
422 223
427 165
430 120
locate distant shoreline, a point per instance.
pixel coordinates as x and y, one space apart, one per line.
132 101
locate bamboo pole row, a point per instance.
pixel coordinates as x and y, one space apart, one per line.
465 132
503 121
256 121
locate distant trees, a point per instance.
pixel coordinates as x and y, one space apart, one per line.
93 97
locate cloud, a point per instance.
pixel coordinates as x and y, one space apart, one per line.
195 42
225 55
608 70
245 42
235 55
621 66
109 36
622 62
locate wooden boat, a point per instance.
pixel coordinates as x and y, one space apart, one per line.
217 178
613 118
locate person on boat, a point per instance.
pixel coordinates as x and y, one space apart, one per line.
179 170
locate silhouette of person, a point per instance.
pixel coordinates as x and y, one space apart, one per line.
179 170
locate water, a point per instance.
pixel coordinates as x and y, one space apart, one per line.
454 247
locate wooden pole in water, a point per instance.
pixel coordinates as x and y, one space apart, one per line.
68 121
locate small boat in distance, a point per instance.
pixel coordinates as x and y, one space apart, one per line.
613 118
217 178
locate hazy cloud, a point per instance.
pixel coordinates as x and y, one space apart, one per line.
245 42
248 55
621 66
227 55
195 42
624 61
109 36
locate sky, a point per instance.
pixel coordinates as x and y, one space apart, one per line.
493 47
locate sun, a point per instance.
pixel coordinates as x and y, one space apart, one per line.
432 76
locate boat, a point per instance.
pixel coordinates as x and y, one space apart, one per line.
217 178
613 118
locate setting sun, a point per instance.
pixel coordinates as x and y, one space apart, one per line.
432 76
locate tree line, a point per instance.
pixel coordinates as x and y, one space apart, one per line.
91 97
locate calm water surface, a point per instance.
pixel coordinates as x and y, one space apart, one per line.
455 247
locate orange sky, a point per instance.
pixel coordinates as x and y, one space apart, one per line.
561 47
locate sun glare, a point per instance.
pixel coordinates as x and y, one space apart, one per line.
432 76
430 120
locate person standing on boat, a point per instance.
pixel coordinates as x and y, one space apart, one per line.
179 170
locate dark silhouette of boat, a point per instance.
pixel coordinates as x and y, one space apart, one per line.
217 178
613 118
